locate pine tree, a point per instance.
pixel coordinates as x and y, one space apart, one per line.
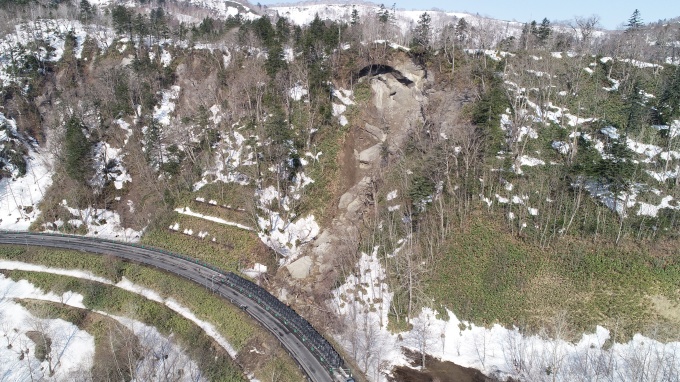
617 168
76 148
122 20
533 28
141 26
86 10
383 14
152 144
354 20
462 30
275 59
158 23
635 108
421 34
669 101
634 22
283 29
544 31
265 30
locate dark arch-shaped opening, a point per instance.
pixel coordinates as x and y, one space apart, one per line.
377 69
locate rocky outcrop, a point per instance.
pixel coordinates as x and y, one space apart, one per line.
392 113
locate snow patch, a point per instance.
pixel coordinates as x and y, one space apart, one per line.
161 113
19 196
297 92
648 209
287 237
72 349
123 284
230 154
187 211
363 303
100 223
344 95
254 272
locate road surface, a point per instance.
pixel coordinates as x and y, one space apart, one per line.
189 269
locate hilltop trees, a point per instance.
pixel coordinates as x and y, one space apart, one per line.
584 27
535 35
383 14
421 33
543 32
634 22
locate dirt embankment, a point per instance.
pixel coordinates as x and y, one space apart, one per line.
438 371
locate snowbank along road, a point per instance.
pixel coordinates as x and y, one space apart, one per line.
317 367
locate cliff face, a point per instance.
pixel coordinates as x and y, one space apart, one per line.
379 127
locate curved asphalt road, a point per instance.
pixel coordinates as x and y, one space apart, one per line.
188 269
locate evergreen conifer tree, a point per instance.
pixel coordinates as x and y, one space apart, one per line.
355 16
86 10
544 31
421 34
462 30
76 149
383 14
669 102
634 22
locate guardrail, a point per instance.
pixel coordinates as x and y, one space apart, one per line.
314 341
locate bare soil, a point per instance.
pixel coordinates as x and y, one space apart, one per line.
438 371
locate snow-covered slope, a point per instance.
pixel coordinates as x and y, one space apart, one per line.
20 193
72 348
302 14
220 8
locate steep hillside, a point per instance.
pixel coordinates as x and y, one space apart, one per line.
481 191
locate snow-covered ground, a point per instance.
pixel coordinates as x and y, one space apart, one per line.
162 112
282 231
403 20
76 300
98 222
257 270
104 156
345 97
53 32
220 8
297 92
187 211
72 349
363 302
19 196
278 226
661 163
230 154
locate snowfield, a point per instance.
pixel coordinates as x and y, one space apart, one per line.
19 196
123 284
73 349
303 14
